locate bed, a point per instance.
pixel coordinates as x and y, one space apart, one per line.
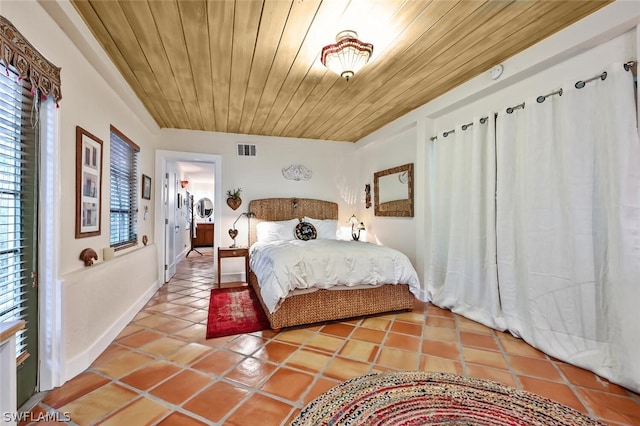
321 305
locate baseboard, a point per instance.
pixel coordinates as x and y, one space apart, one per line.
83 360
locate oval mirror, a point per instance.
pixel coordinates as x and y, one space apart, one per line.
204 208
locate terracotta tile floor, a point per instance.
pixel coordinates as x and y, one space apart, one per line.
161 370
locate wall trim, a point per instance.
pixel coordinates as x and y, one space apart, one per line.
50 347
183 254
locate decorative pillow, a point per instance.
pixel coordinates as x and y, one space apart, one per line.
276 231
306 231
327 228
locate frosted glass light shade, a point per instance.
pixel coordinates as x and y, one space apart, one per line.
347 55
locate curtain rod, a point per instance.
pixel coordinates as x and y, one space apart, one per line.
540 99
464 127
579 85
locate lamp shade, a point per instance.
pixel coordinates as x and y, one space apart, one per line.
347 55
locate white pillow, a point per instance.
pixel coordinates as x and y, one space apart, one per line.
327 228
276 231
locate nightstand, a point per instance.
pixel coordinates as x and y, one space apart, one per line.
234 252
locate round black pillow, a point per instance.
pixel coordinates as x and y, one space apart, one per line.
306 231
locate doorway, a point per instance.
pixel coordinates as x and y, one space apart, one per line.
173 226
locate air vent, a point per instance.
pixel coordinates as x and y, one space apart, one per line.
246 150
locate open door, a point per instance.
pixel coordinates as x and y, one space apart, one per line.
172 226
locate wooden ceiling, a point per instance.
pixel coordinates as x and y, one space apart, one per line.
252 66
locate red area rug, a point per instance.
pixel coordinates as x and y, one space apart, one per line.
426 398
233 311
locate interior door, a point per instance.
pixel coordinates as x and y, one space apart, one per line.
170 233
178 221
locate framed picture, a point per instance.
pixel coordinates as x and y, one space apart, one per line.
179 200
146 187
88 183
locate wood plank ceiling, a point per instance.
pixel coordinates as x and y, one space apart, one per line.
253 67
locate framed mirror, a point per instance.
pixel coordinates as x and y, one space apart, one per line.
204 208
393 191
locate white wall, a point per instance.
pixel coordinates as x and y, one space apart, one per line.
544 67
97 308
89 102
83 306
397 232
332 163
261 176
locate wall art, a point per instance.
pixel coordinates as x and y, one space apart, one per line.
296 172
88 183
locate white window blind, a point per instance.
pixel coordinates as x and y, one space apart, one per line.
18 164
124 190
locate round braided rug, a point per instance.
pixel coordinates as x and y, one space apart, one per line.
427 398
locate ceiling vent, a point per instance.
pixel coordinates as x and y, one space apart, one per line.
246 150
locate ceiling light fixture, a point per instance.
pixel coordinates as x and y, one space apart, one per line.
347 55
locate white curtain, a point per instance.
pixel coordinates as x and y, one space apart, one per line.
568 233
462 275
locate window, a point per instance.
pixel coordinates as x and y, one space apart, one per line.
124 191
18 207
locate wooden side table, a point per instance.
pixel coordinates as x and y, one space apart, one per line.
234 252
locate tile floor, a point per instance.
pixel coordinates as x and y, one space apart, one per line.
161 370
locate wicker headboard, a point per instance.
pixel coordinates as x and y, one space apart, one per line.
275 209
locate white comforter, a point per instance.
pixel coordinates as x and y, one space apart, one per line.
283 266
